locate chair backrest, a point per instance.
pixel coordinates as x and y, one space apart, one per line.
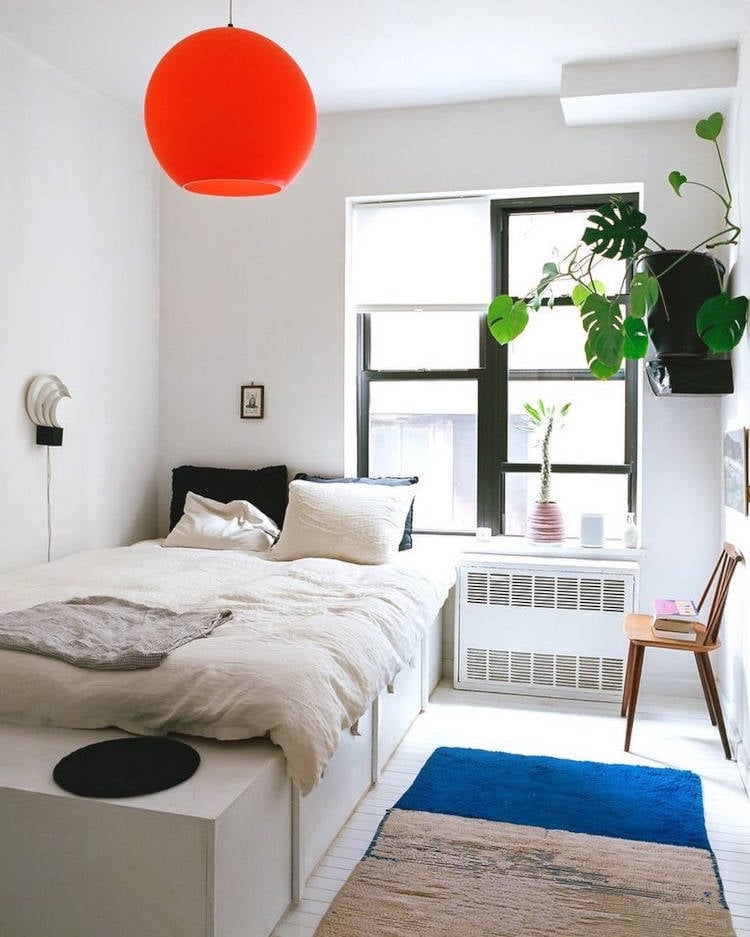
719 579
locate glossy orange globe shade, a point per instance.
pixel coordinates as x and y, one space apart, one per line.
229 112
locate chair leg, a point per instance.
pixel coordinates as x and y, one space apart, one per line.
700 660
635 682
717 705
628 678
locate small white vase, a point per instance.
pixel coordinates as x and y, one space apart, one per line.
630 534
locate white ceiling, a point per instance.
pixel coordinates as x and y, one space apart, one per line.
376 53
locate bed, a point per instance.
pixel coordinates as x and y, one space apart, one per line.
310 644
324 661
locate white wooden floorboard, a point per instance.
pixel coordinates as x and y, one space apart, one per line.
667 733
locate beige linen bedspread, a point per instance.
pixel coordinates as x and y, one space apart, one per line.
310 644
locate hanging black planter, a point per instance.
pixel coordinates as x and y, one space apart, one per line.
686 280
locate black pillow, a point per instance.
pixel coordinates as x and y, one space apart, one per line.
266 488
406 542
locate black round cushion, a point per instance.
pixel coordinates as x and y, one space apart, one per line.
126 767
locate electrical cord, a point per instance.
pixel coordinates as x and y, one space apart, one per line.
49 506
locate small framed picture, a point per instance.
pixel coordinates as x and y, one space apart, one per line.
251 401
735 470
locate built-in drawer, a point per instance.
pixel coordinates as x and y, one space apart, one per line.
399 708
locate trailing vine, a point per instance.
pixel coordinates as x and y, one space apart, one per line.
617 230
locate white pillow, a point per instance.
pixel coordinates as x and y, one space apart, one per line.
213 525
356 523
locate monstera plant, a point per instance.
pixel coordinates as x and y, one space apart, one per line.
661 284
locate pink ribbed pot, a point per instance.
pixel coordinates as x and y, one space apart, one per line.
545 523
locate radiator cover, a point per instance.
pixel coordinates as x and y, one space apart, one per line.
550 627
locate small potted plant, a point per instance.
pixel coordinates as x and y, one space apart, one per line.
545 522
682 292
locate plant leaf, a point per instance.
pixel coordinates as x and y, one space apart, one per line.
605 342
616 230
550 273
506 319
597 367
636 337
578 294
581 291
721 321
710 127
564 408
533 413
644 292
677 180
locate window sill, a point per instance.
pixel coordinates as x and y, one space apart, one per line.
519 546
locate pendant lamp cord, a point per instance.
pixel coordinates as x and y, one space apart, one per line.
49 507
230 23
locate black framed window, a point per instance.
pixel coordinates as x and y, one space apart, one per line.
439 398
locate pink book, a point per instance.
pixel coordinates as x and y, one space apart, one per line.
674 610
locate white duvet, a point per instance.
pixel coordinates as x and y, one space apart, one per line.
311 643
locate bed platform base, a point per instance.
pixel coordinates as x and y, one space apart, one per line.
222 855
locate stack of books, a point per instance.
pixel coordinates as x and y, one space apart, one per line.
675 619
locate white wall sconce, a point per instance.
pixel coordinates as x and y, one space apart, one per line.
43 397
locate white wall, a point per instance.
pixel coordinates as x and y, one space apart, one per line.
78 298
735 656
254 289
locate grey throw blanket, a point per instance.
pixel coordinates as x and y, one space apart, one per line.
104 633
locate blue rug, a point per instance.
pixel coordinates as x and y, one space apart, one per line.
657 805
488 844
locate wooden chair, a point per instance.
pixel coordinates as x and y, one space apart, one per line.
640 635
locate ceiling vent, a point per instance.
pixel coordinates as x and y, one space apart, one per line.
684 86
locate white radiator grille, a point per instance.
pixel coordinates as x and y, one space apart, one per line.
543 626
531 668
536 590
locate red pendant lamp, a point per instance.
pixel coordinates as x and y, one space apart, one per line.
229 112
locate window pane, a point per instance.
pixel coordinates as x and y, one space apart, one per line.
593 430
553 338
576 495
536 238
413 340
417 253
429 429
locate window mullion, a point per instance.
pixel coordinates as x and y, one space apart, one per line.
363 395
492 434
631 424
568 468
425 374
492 409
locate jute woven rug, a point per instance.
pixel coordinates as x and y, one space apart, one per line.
440 874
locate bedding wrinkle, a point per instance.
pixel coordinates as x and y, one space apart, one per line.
104 633
309 646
